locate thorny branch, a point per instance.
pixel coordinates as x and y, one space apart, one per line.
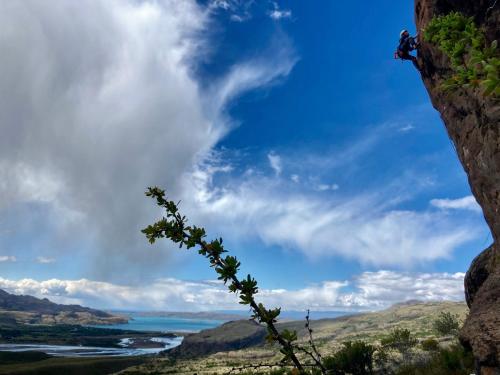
174 227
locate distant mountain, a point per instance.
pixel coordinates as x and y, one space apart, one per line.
202 315
31 310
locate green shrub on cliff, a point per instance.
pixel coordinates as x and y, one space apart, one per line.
475 64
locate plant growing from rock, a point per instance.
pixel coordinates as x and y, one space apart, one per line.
474 63
174 227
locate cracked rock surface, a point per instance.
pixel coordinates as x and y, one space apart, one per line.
473 124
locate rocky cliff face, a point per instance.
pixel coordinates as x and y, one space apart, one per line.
473 124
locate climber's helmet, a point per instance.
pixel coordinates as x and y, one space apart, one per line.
403 33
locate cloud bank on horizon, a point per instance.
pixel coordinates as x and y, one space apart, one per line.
100 99
369 291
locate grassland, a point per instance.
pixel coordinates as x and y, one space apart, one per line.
329 335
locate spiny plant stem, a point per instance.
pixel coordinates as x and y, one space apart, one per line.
317 356
174 227
257 311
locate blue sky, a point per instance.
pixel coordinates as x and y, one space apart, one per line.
285 127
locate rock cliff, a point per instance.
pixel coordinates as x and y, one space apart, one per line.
473 124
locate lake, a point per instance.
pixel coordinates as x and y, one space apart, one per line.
164 324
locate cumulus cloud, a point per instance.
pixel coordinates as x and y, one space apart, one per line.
383 288
465 203
97 102
368 291
7 258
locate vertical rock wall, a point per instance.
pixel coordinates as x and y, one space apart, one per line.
473 124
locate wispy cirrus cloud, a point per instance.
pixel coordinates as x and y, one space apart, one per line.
406 128
275 64
275 163
466 203
244 10
45 260
368 227
326 187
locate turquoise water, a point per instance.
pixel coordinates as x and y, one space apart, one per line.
137 323
165 324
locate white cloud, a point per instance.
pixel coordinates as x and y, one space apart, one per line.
278 14
22 182
275 163
223 4
244 10
275 64
406 128
366 227
465 203
238 10
45 260
295 178
383 288
7 258
326 187
97 102
368 291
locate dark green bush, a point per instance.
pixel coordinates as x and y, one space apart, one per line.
430 345
399 339
454 360
354 358
446 324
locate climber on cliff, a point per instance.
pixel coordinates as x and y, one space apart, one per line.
407 44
